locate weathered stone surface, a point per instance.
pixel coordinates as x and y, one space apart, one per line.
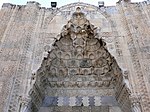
28 31
90 65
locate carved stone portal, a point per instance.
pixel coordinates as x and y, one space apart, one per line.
79 71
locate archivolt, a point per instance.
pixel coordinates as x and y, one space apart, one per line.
58 10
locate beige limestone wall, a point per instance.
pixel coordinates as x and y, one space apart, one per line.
27 33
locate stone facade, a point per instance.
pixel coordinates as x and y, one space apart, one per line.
31 36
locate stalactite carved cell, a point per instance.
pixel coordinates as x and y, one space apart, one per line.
79 62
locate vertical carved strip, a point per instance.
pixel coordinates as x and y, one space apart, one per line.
134 56
17 88
8 71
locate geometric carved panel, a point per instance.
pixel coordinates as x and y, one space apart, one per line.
79 101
